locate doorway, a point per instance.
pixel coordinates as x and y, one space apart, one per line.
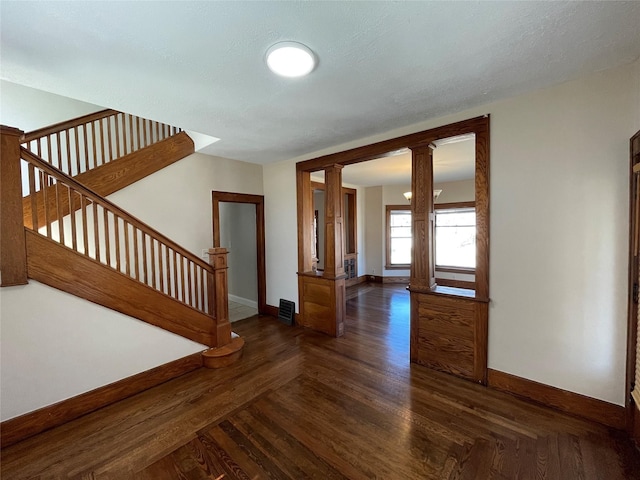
238 225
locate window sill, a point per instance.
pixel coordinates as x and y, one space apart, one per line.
464 270
397 267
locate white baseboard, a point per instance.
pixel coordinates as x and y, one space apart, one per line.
243 301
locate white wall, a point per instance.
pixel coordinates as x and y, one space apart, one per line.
636 90
238 235
559 195
281 232
460 191
29 109
373 225
56 346
176 201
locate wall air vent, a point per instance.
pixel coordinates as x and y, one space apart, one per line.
286 312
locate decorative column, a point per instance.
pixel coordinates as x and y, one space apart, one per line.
13 252
322 298
334 227
423 225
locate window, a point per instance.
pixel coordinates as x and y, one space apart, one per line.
398 237
455 236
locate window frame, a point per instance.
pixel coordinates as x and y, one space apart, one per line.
452 268
388 265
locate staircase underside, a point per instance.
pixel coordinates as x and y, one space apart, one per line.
50 263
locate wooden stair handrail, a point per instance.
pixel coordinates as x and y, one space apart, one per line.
139 224
57 127
88 142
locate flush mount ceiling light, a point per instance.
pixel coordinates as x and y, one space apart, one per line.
290 59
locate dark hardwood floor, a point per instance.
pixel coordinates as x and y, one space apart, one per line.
302 405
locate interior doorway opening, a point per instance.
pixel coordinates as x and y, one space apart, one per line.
435 309
238 225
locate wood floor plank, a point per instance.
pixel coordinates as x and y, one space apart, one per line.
299 404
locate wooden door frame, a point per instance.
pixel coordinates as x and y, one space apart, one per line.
258 201
633 422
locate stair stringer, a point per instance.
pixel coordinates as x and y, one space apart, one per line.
60 267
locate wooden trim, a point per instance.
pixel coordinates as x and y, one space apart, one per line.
317 186
333 224
60 267
116 175
223 356
462 270
32 423
388 147
304 194
270 310
590 408
124 171
67 124
219 292
395 280
633 418
350 224
112 207
482 208
374 279
351 221
635 424
13 253
452 205
355 281
448 282
423 259
258 201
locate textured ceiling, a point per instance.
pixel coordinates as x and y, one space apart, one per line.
382 65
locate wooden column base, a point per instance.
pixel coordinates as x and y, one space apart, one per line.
322 303
223 356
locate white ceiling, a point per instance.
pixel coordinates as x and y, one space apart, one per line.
382 65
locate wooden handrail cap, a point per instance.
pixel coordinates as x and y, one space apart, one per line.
7 130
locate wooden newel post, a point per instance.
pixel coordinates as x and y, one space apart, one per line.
13 252
219 295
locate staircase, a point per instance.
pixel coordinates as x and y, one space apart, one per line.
58 228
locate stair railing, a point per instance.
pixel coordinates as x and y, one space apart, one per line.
93 226
79 145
